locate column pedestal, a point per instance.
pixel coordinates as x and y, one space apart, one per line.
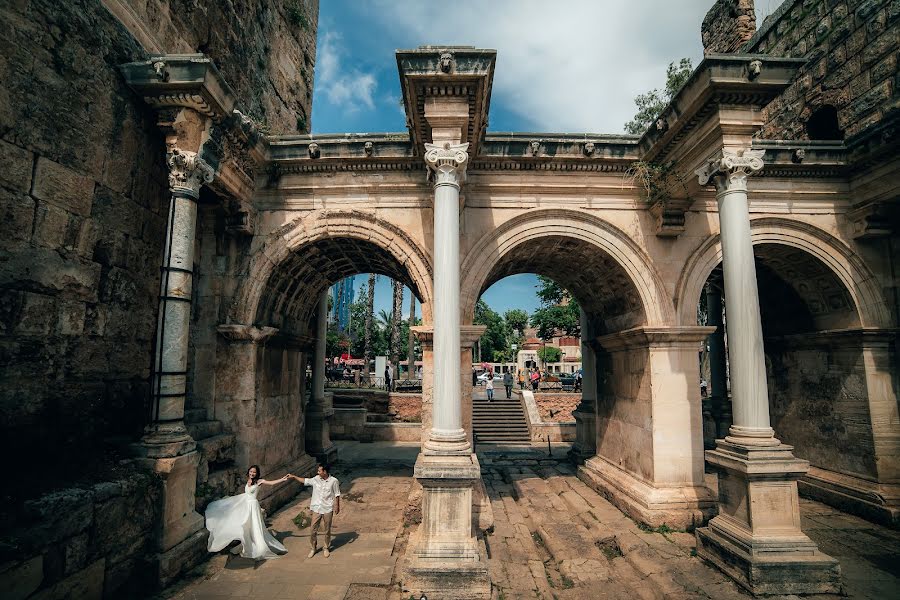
181 539
756 538
318 437
446 559
585 445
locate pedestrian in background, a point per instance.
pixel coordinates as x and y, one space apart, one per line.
489 386
508 383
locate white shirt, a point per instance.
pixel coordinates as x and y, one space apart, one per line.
324 491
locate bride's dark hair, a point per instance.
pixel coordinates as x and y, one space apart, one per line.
258 472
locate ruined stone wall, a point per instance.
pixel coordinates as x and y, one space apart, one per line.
727 26
852 50
265 49
819 401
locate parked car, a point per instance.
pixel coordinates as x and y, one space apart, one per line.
498 379
567 380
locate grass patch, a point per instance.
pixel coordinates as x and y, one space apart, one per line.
567 582
296 15
663 529
610 548
538 539
302 520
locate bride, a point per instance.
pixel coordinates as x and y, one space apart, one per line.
240 518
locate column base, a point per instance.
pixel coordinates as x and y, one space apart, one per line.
779 569
164 440
680 507
174 562
585 445
446 580
178 519
756 538
447 443
876 502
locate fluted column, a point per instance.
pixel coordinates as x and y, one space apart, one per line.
166 434
447 165
756 538
750 397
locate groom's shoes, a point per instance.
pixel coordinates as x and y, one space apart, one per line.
312 553
326 553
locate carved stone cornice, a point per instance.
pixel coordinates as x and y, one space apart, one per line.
730 169
187 172
447 163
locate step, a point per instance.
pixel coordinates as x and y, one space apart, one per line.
195 415
217 448
201 430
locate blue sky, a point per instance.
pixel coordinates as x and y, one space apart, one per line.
563 66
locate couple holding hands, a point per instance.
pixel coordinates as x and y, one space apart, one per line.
241 518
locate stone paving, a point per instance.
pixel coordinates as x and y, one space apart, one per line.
553 537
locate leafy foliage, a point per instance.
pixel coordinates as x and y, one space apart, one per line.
496 337
516 319
550 354
559 311
651 104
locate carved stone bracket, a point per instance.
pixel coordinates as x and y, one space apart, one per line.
670 216
730 169
187 172
246 333
447 163
870 222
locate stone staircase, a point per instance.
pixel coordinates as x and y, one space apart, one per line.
499 422
216 474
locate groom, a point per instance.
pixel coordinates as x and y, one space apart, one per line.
326 497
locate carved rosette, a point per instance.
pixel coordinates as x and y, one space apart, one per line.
447 163
730 170
187 172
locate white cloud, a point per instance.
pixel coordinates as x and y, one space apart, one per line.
573 65
347 88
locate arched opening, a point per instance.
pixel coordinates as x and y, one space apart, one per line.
268 355
817 366
641 432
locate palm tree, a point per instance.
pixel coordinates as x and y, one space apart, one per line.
367 352
410 346
395 325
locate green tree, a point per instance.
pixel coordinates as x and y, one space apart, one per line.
549 354
497 333
516 319
559 313
651 104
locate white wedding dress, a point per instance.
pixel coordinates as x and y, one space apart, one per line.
240 518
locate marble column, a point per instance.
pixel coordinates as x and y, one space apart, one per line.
447 165
321 407
718 374
585 445
167 448
756 537
446 558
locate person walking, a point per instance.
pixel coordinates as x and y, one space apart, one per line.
508 383
324 504
535 379
521 377
489 386
474 377
388 376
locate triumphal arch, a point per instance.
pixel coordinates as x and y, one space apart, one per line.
637 228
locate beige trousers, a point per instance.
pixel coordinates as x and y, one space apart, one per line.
319 519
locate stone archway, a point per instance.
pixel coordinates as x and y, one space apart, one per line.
646 455
273 330
323 225
847 266
534 225
828 350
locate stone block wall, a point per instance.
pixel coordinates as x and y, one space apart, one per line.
562 404
727 26
83 542
851 46
819 401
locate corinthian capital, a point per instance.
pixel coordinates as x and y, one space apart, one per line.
730 169
187 172
447 162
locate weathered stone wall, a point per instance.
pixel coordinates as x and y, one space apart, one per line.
562 404
727 26
265 50
819 401
84 542
852 50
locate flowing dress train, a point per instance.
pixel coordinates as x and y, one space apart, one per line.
240 518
